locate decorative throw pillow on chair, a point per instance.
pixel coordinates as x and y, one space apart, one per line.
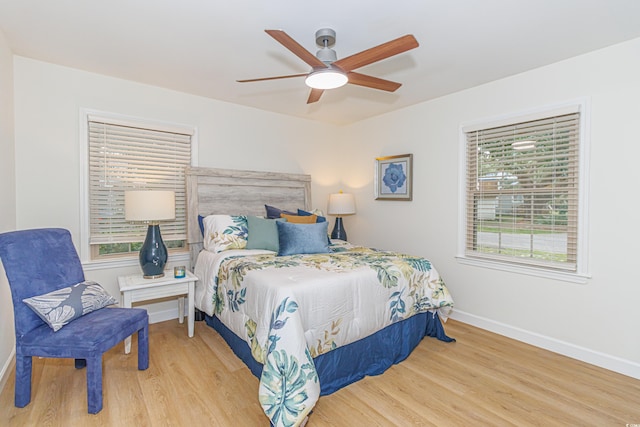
58 308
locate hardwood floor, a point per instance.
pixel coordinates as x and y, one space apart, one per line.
483 380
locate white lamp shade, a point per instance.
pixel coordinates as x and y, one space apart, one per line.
342 204
149 205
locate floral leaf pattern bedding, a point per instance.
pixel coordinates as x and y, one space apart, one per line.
290 309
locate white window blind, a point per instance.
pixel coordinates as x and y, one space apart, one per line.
125 157
522 192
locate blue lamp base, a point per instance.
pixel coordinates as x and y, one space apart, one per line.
153 254
338 230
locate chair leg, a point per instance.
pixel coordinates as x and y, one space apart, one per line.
143 348
94 384
23 381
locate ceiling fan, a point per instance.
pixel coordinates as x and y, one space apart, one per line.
329 72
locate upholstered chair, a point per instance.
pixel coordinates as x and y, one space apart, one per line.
43 267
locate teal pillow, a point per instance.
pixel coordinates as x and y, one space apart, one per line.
262 233
302 238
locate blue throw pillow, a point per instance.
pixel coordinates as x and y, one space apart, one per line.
263 233
201 224
273 212
302 238
318 217
60 307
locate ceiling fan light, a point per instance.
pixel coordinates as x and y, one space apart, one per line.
326 79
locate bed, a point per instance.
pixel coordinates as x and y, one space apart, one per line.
310 315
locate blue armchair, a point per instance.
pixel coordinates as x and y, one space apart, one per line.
38 262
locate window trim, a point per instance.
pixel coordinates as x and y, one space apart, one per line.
582 271
86 114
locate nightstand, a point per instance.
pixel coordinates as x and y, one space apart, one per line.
135 288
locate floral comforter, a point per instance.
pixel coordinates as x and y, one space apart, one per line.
290 309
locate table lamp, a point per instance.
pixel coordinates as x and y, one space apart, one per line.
341 204
151 206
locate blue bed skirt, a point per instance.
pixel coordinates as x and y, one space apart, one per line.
347 364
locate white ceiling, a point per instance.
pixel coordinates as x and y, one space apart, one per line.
203 46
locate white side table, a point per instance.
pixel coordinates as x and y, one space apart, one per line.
136 288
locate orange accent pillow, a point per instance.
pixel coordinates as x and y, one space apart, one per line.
299 219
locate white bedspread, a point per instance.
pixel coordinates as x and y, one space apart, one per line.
290 309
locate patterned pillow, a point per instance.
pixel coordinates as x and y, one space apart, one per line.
224 232
60 307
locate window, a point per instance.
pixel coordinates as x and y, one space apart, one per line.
133 155
522 191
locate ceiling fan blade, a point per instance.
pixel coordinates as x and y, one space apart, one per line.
314 95
285 40
372 82
273 78
377 53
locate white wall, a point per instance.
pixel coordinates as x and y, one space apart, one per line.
47 110
8 197
48 100
597 321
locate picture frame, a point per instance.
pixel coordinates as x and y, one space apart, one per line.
393 178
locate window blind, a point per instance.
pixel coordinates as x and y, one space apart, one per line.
125 157
522 192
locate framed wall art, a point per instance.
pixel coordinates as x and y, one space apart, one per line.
393 177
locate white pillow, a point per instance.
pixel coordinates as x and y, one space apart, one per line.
224 232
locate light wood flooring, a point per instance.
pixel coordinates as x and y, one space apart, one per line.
483 379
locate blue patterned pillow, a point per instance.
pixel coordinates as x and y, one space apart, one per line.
60 307
302 238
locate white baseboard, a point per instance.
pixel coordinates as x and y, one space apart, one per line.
612 363
7 368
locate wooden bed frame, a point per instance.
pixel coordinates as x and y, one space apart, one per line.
239 192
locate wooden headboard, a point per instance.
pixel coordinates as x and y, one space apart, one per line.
239 192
